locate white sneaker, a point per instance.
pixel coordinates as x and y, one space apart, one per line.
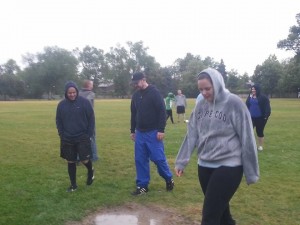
260 148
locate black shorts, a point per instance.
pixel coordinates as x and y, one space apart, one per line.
180 109
69 150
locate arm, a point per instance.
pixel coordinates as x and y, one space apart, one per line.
188 146
59 124
161 111
91 118
133 116
267 107
243 126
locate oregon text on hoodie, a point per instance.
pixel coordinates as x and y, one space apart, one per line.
222 132
74 118
148 110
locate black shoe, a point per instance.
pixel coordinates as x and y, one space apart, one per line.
72 188
170 185
230 222
140 191
90 178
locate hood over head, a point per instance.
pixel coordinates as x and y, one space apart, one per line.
68 85
218 83
257 88
171 95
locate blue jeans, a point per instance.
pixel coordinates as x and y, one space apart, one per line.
148 147
94 148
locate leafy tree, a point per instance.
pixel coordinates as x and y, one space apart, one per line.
10 68
243 84
268 74
119 69
290 79
232 81
292 42
145 62
10 84
93 64
222 69
186 70
48 71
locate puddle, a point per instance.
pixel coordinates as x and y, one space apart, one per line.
134 214
125 220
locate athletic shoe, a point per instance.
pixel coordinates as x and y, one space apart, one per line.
72 188
90 178
140 191
260 148
170 185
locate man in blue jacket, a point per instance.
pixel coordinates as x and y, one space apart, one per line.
148 121
75 122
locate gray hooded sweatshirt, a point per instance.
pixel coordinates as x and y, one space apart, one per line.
222 132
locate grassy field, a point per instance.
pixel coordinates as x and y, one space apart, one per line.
34 178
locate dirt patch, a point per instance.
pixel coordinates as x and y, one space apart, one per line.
135 214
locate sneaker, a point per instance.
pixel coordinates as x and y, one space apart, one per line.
90 178
260 148
72 188
140 191
170 185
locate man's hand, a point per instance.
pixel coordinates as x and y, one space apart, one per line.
160 136
132 136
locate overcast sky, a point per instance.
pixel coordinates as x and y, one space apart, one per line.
241 32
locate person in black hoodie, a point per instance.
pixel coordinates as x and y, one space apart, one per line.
75 122
148 121
260 110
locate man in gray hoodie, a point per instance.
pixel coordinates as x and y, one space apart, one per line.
220 128
87 92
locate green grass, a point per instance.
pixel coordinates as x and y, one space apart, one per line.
34 178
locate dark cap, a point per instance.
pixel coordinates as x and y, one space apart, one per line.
136 77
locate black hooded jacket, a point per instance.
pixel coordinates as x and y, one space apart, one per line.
74 118
148 110
263 102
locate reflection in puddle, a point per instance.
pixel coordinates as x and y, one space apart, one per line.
112 219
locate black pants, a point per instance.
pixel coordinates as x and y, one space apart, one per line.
218 186
259 124
169 114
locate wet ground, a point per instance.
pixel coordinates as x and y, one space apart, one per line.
134 214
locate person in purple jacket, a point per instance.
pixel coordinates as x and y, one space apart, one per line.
75 122
260 111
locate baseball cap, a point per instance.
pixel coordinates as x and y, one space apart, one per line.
136 77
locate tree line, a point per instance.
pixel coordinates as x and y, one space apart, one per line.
45 73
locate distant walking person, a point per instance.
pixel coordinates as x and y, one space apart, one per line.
181 105
169 99
260 110
75 123
148 121
87 92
